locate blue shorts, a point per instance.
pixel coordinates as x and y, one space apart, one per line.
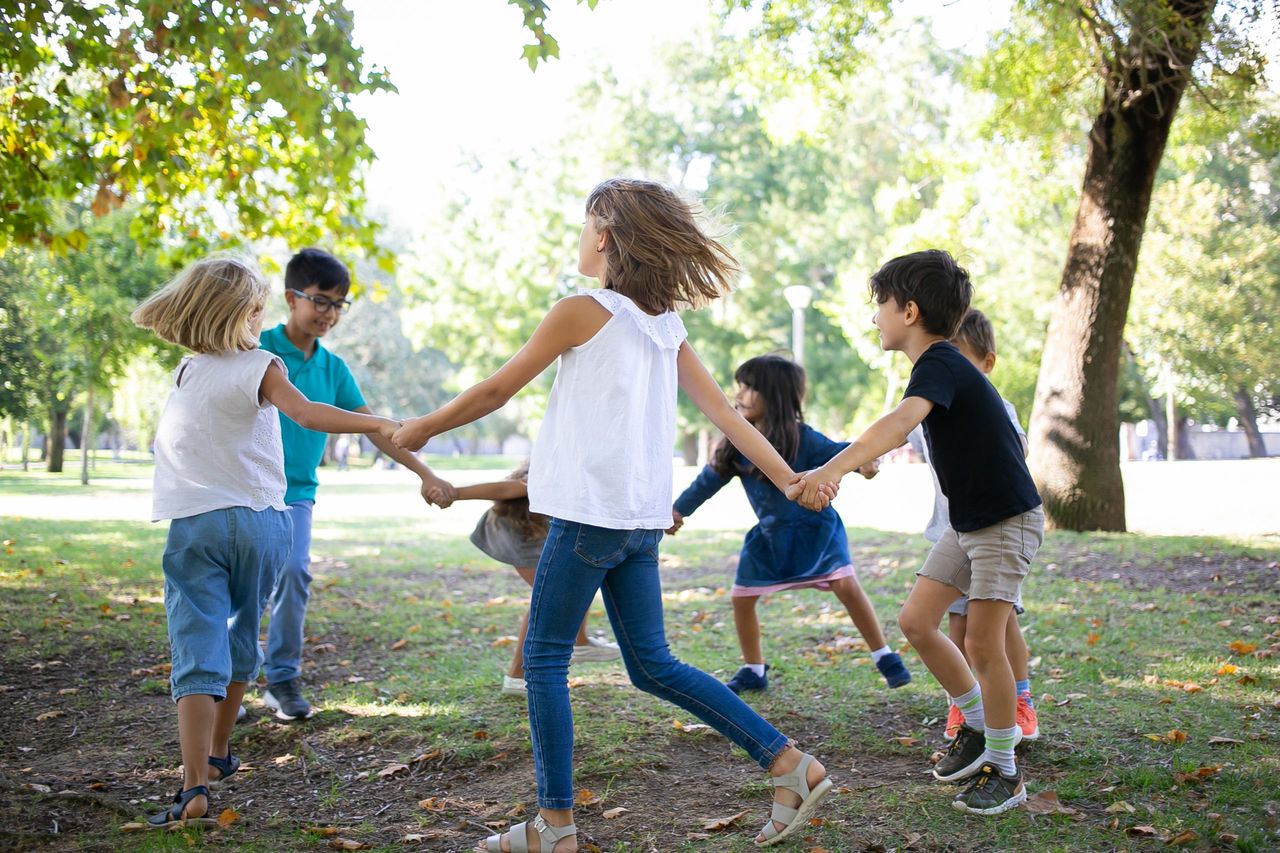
219 567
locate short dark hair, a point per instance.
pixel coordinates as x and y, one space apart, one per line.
931 279
976 331
318 268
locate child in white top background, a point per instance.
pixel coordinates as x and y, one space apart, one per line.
219 480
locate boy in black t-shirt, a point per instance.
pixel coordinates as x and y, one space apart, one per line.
996 523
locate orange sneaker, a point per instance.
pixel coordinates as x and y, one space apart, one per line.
1026 717
955 719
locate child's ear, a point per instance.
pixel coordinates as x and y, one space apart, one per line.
910 313
989 362
602 240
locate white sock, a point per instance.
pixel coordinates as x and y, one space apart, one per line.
999 751
879 653
971 705
757 668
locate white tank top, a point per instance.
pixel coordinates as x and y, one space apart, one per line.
604 453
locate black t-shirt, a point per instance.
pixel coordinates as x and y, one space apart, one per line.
974 447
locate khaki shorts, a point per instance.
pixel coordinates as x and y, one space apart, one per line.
990 563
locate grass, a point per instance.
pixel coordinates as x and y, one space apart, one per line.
1130 635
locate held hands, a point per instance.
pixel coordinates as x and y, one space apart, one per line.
413 433
814 489
439 492
677 521
387 427
870 469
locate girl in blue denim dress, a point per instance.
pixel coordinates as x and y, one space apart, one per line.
219 481
791 547
602 471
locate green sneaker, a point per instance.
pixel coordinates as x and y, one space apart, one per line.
991 792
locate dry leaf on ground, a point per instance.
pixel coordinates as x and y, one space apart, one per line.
391 770
1047 802
719 823
586 798
610 814
228 817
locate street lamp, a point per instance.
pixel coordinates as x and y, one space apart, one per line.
798 297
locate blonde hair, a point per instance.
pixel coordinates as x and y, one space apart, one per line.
208 307
657 254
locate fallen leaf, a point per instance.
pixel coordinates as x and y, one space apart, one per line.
691 728
1092 638
1120 806
480 735
398 645
1246 679
905 741
326 831
282 760
38 788
228 817
586 798
1192 687
1240 647
1143 831
425 757
433 804
1227 669
503 641
391 770
49 715
1184 837
610 814
1228 838
324 649
133 827
1225 623
347 844
1047 802
68 691
719 823
1219 739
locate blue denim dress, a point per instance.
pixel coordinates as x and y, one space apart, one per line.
790 544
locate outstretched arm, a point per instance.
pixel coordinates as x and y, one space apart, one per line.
571 322
502 490
277 388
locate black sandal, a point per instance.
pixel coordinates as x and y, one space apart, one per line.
227 767
172 816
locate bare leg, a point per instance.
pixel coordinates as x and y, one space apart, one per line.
919 620
1015 647
748 625
956 627
225 719
988 621
850 593
195 726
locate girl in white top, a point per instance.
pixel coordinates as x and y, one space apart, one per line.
219 479
601 469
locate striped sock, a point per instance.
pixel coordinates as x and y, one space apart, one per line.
971 706
999 751
1023 688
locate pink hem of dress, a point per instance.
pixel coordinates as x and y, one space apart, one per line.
822 582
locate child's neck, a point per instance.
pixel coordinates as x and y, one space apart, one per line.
300 339
915 347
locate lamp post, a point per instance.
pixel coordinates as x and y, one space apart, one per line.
798 297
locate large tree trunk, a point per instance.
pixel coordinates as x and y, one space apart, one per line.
57 437
1075 452
1249 423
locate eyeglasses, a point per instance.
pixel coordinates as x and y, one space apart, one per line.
324 305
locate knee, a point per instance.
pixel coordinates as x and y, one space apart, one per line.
652 674
913 626
981 651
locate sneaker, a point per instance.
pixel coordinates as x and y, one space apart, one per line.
241 713
991 792
746 679
597 649
964 756
955 719
894 670
513 686
285 698
1028 723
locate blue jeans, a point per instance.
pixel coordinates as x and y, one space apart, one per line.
289 601
218 569
577 560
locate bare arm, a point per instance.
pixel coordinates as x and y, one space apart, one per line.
277 388
502 490
434 489
572 322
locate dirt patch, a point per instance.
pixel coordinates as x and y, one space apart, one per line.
1195 574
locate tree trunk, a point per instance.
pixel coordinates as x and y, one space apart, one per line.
86 438
57 438
1182 438
1249 423
1075 452
1172 422
1156 411
689 447
26 444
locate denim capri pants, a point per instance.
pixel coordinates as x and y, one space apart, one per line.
219 567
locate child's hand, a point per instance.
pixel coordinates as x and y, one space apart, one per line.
387 428
439 492
677 521
870 469
814 489
413 433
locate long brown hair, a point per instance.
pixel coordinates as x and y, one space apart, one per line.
530 525
780 382
657 254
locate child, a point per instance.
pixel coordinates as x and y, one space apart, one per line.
996 523
510 534
316 285
976 340
601 469
791 548
220 478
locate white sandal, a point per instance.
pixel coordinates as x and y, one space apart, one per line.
547 835
794 818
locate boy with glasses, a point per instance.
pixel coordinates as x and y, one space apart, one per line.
316 285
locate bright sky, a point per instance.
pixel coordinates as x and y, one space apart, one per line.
465 89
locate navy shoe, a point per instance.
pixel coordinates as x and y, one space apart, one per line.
894 670
746 679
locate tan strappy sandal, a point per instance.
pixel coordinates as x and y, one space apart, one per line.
548 837
794 818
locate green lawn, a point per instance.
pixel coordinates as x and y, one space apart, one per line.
1145 650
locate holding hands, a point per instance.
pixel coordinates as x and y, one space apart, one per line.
413 433
814 489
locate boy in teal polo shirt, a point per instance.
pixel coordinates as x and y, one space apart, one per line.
316 285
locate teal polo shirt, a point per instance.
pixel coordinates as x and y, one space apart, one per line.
322 378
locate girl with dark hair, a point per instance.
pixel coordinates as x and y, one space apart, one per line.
790 548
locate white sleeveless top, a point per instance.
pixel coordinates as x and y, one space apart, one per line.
217 446
604 453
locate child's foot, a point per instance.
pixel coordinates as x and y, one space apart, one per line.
596 649
963 758
285 698
800 784
1026 717
539 837
190 806
513 686
955 719
894 670
746 679
991 792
